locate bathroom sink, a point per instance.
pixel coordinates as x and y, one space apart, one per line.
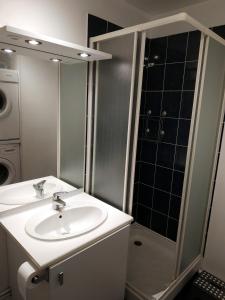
25 193
69 223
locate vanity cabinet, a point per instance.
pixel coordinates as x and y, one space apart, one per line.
96 272
3 262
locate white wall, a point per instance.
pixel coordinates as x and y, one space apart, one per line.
66 19
39 92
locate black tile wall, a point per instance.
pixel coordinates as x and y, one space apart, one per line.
158 222
165 155
143 215
97 26
186 104
171 104
193 45
148 153
152 103
166 108
174 76
172 229
161 202
155 78
176 48
156 53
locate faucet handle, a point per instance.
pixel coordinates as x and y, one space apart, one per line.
39 185
39 188
58 195
58 203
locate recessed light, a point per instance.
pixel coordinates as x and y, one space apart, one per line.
33 42
7 50
84 55
55 59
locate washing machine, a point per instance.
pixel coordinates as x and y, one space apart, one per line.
9 164
9 105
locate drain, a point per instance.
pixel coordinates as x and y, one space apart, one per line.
138 243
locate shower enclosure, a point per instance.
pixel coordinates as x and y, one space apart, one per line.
154 114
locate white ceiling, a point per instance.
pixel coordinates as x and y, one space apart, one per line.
156 7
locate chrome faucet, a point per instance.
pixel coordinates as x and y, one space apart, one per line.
39 189
58 203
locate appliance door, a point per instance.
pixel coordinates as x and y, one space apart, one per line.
5 104
7 172
9 111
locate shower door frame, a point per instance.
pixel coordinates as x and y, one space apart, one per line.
188 164
198 98
141 30
92 116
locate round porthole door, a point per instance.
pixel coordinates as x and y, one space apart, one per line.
5 105
7 172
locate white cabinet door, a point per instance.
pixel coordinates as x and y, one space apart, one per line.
3 262
96 273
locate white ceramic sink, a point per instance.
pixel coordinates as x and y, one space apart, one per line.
25 193
71 222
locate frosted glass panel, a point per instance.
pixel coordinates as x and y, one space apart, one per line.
113 101
210 111
73 85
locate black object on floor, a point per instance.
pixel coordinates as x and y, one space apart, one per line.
203 286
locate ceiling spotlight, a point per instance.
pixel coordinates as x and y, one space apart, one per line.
7 50
84 55
33 42
55 59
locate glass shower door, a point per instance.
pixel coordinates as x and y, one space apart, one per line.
113 114
203 153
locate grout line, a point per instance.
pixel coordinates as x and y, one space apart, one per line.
153 118
158 189
154 141
167 91
158 165
154 64
157 211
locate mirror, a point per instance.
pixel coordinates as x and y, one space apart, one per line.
42 117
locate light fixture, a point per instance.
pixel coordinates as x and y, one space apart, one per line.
33 42
7 50
55 59
84 55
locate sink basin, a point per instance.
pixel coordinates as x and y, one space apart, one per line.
25 193
71 222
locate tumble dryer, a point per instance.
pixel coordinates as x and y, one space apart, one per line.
9 164
9 105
